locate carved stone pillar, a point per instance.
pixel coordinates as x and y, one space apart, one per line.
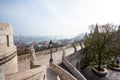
32 56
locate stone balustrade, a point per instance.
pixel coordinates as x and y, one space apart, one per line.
27 56
38 73
74 71
63 74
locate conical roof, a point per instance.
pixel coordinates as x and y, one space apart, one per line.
96 29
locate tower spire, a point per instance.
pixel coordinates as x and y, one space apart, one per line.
96 29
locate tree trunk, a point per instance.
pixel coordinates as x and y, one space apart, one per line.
99 65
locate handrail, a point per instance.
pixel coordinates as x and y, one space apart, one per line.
76 73
63 74
73 70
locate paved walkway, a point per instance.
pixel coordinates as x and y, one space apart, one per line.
44 60
90 75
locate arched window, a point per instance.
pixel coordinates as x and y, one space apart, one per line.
7 37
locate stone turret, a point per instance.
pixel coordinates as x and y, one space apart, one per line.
8 53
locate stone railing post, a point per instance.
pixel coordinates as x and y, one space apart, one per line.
63 56
75 49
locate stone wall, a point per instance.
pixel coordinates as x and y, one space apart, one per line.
2 75
3 41
6 35
8 60
38 73
63 74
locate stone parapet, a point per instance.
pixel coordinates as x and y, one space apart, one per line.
63 74
74 71
27 56
38 73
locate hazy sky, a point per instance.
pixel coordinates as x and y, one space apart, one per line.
57 17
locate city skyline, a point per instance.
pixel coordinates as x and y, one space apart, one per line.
57 18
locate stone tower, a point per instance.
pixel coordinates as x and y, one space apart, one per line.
8 53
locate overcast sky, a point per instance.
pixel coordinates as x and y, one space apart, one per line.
57 17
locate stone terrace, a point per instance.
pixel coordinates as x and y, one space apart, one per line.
44 60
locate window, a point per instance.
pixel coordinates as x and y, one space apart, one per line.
7 40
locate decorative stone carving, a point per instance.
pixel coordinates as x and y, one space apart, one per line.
32 56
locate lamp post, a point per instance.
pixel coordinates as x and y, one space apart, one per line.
50 46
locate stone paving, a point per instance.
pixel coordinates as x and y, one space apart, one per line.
90 75
44 60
